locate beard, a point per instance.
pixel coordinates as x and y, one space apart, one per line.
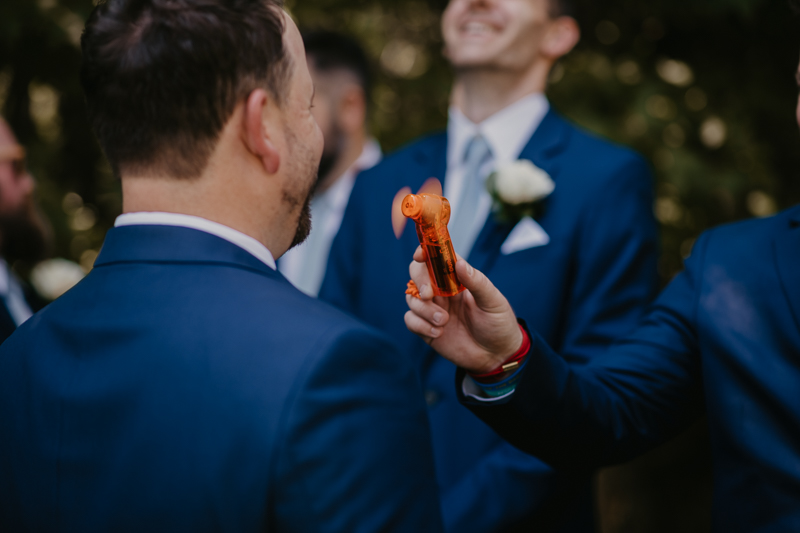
303 225
305 167
24 235
331 154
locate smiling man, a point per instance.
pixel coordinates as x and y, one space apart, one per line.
184 384
722 340
581 272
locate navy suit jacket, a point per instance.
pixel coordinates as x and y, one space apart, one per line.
724 337
183 385
584 289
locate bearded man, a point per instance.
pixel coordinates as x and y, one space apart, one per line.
23 233
184 384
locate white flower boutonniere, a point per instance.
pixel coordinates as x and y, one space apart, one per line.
518 190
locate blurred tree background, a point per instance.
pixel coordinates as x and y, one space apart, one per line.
704 89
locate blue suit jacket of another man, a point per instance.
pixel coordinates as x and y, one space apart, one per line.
186 386
724 337
583 290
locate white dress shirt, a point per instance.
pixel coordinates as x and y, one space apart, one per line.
12 295
304 265
507 132
247 243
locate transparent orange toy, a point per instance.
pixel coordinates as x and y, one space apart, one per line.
431 213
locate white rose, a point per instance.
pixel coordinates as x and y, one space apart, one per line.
522 182
54 277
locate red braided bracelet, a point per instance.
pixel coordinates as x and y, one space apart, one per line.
513 362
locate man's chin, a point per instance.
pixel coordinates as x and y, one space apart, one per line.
474 56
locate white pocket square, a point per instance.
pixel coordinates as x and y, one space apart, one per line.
526 234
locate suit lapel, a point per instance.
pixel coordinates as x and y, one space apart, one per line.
547 142
787 256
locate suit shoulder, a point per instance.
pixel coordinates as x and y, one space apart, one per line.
606 158
588 140
320 318
394 163
746 234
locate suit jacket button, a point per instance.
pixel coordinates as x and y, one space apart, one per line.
431 397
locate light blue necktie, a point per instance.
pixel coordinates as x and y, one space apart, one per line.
465 226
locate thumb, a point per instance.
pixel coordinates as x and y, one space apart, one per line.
486 295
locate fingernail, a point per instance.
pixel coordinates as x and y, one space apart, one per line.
437 317
470 270
435 332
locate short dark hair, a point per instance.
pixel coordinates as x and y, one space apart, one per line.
163 77
333 51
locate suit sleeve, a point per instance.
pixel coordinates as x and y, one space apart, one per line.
640 393
341 282
356 452
615 271
614 279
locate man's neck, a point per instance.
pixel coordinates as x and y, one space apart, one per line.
352 150
483 92
206 199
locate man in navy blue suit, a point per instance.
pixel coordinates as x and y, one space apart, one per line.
723 337
184 384
581 272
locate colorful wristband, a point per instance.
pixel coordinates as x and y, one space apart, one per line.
503 387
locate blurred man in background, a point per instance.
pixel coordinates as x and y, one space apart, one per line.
581 272
23 233
342 79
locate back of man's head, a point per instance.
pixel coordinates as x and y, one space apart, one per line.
330 52
163 77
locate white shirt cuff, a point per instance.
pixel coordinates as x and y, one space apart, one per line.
471 389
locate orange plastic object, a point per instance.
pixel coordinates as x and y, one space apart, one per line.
431 213
412 289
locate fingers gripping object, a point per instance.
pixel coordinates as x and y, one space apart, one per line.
431 213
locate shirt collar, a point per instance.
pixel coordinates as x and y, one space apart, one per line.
229 234
507 131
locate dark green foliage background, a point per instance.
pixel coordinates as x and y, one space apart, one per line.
742 55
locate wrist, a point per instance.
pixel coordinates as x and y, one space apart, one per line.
509 364
503 380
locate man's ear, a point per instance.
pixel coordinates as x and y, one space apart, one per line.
260 128
561 37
